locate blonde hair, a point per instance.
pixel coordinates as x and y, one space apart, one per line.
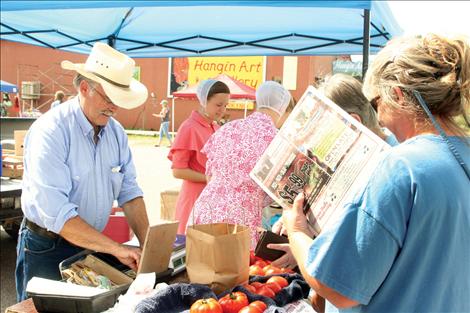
437 67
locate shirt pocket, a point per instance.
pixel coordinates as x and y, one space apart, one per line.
116 178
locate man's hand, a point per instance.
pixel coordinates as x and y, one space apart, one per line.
287 260
128 255
294 219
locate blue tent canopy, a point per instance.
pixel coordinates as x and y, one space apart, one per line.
208 28
7 87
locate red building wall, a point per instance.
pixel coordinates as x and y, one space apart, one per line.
22 62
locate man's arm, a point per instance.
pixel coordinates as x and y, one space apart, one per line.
78 232
137 218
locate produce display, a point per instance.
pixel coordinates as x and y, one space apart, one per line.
239 301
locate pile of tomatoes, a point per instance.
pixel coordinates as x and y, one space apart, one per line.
234 302
237 302
260 267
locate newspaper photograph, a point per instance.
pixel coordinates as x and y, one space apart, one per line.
322 151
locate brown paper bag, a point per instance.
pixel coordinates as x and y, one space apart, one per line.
218 255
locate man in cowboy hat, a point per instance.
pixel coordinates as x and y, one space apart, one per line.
77 162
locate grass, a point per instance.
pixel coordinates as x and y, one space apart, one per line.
142 140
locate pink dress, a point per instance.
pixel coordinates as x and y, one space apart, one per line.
186 153
231 195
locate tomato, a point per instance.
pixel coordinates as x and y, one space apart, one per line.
257 285
250 309
271 269
259 304
274 287
252 257
206 306
261 263
250 288
265 291
281 281
233 302
256 270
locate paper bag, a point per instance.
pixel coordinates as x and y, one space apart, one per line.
218 255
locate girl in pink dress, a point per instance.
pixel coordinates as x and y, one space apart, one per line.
188 163
231 195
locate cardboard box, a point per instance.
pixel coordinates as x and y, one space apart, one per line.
19 141
156 254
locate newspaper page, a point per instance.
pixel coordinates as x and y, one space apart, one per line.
322 151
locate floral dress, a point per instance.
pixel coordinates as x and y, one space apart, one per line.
231 195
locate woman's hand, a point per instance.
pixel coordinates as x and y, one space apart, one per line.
294 219
278 228
287 260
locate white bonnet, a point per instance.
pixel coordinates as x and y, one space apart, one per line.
274 96
203 90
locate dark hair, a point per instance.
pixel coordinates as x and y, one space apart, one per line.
218 87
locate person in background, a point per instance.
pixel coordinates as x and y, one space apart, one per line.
164 115
59 97
231 196
77 162
188 163
346 92
401 245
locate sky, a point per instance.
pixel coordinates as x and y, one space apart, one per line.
444 17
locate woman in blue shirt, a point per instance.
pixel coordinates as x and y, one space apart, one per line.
402 244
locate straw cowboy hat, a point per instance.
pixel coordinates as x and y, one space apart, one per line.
114 71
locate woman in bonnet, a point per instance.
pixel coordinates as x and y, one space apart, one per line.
188 163
231 195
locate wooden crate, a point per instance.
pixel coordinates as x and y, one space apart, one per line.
12 166
19 141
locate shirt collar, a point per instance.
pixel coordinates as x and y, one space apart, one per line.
85 125
195 115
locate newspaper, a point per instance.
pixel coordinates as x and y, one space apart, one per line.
322 151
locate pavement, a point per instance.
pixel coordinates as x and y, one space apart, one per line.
153 175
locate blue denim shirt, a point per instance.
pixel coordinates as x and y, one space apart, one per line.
66 174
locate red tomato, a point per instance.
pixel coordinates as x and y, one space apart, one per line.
281 281
265 291
233 302
261 263
271 269
250 309
259 304
250 288
206 306
257 285
274 287
256 270
252 257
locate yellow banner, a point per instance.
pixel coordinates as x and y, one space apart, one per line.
240 105
248 70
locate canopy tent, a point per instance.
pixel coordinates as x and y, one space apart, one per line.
7 87
167 28
238 90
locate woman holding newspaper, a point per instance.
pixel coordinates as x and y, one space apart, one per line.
402 243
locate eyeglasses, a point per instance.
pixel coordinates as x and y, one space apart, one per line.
104 97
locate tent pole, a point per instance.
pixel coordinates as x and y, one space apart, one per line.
366 42
173 117
246 104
